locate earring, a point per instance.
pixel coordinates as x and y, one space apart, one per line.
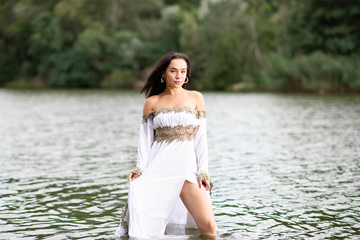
186 80
162 79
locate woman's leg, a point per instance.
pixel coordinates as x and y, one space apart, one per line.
198 204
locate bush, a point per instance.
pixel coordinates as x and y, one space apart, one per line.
317 72
72 69
225 66
118 78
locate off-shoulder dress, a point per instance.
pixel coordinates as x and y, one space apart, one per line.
172 149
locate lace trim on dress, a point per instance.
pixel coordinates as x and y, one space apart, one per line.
198 113
124 224
150 115
180 133
137 172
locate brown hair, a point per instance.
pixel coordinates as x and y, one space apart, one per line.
153 85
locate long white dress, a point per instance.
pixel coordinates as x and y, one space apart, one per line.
172 149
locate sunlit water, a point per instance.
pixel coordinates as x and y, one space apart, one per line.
284 166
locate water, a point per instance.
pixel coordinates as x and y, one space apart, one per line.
284 166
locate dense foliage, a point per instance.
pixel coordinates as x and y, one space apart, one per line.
270 45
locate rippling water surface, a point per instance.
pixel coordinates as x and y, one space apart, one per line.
284 166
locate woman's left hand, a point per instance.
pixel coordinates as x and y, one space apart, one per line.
206 184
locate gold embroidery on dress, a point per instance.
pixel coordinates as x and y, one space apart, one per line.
137 172
150 115
124 224
180 133
198 113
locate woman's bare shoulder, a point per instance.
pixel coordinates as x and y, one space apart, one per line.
198 99
149 104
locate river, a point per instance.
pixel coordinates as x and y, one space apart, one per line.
284 166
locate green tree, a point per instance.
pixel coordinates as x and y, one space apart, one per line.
48 38
226 41
14 32
109 43
71 69
171 18
226 65
327 25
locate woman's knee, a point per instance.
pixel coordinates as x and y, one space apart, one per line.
208 227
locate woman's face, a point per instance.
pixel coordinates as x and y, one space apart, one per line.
175 73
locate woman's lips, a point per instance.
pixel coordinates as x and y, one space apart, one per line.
177 82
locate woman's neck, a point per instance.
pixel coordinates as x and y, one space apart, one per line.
173 91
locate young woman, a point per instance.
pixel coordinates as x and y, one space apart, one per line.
170 184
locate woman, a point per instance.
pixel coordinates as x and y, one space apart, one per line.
170 184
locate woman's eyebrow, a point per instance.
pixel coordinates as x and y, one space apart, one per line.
176 68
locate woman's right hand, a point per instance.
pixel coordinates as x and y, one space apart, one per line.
131 176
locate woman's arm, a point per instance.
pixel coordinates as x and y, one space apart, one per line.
146 138
201 147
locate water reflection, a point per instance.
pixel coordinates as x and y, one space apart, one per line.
284 166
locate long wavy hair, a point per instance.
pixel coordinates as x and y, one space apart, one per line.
153 85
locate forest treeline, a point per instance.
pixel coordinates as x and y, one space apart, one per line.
240 45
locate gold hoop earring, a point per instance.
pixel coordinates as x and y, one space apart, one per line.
186 80
162 79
